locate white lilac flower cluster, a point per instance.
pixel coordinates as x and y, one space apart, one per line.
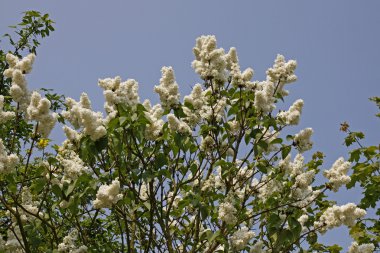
12 244
80 114
209 60
69 245
143 193
238 79
71 134
154 115
4 116
168 88
7 162
241 237
173 200
302 220
117 92
234 126
208 183
282 73
292 116
363 248
29 205
219 183
17 70
264 96
227 212
302 139
215 112
207 144
258 247
293 168
39 110
337 175
108 195
72 165
336 216
301 190
27 213
267 186
198 101
177 125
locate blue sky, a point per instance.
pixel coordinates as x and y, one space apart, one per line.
336 44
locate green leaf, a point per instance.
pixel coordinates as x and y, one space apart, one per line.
122 120
70 188
335 248
38 185
276 141
213 236
284 236
147 205
285 151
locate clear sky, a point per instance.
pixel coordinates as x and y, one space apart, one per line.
336 44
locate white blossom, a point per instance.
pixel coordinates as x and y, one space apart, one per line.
168 88
227 212
264 96
154 116
144 191
293 168
337 175
30 205
304 179
216 111
209 183
302 220
72 165
4 116
292 116
79 114
117 92
336 216
363 248
177 125
13 244
108 195
198 100
282 73
219 183
69 244
16 71
71 134
39 110
7 162
209 60
207 144
302 140
238 79
174 200
257 247
267 186
241 237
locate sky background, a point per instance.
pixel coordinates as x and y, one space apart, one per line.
336 44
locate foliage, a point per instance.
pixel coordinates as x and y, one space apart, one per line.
366 173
